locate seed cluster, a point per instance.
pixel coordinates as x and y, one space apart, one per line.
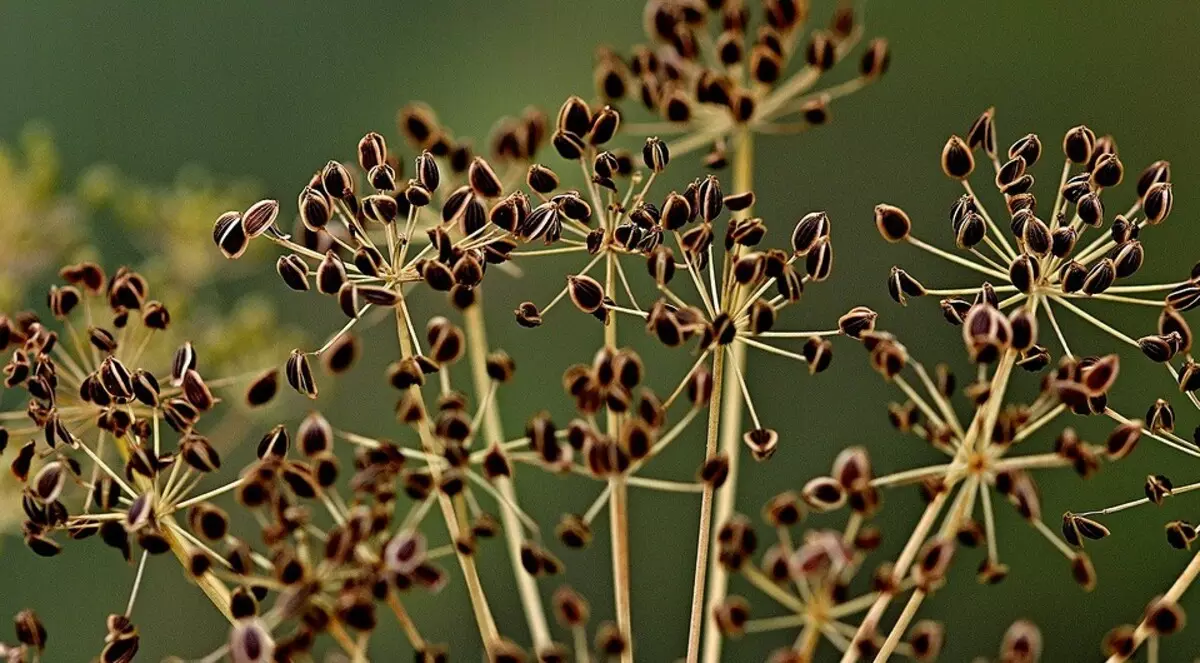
343 528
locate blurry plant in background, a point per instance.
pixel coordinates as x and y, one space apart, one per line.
41 226
161 228
41 222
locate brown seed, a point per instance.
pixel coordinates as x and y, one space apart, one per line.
1180 534
230 235
892 222
983 132
1108 171
655 154
586 293
331 274
260 217
762 443
824 494
1022 643
1164 616
957 160
1078 144
1157 202
30 630
926 639
857 321
299 374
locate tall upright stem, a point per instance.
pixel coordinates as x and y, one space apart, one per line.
618 506
728 414
479 603
531 599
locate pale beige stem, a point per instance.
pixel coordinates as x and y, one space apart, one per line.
729 413
531 600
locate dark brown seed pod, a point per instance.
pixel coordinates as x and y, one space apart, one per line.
381 208
969 230
1158 488
294 272
372 151
933 561
1161 416
902 285
1108 171
604 126
586 293
1090 209
1010 172
809 230
260 217
655 154
1025 273
62 301
315 210
197 392
1170 322
824 494
1158 348
1157 202
1024 329
1078 144
1184 298
29 630
527 315
957 160
331 274
1072 275
857 321
1034 233
337 181
1123 439
541 179
819 261
263 388
1029 148
230 235
983 132
1076 187
926 638
1180 534
1164 616
1100 277
892 222
762 443
1062 241
299 374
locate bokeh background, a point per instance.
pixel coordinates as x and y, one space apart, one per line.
195 108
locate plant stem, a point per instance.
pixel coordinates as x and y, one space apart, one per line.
729 412
1173 594
531 600
618 506
479 604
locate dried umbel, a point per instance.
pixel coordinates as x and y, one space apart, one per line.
1038 263
716 71
981 466
114 448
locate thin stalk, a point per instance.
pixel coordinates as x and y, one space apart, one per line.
479 603
531 600
729 414
618 503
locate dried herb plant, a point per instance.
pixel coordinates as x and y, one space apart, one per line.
717 86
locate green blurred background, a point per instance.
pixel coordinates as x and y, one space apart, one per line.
271 90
